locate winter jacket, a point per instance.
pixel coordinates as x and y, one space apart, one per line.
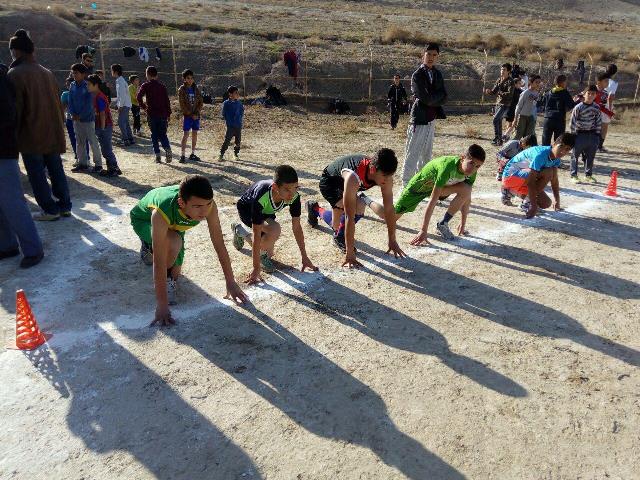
504 90
557 103
396 96
81 102
153 98
233 113
40 116
185 105
9 143
430 95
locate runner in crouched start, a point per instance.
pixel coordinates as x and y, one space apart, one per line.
340 183
257 209
438 179
160 220
528 173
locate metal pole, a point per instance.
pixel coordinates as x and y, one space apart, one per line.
540 63
102 57
306 79
590 67
175 69
635 96
370 70
244 82
484 75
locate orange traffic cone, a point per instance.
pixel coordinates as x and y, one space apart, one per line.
611 190
28 335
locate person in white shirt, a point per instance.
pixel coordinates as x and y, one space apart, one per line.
612 88
124 104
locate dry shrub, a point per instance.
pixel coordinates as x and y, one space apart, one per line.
633 56
552 44
524 44
473 41
64 13
510 51
532 57
315 42
350 126
557 53
496 42
599 52
472 132
395 34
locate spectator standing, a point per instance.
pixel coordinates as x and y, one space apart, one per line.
40 128
503 89
83 114
396 99
134 85
427 86
17 230
154 99
123 99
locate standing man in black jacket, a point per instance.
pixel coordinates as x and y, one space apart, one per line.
557 103
427 86
396 98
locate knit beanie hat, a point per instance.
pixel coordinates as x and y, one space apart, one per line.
21 41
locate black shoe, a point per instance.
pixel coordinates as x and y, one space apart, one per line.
158 159
9 253
28 262
111 172
312 216
80 169
97 169
338 241
118 171
194 158
183 159
65 213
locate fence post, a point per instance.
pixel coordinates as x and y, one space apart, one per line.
306 78
484 75
635 96
590 67
102 57
175 69
244 82
539 62
370 70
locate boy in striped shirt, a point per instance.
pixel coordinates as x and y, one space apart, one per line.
586 123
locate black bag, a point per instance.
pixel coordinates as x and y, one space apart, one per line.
129 51
206 98
275 97
338 106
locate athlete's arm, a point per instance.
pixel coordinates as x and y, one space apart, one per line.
299 236
254 276
390 218
234 292
159 232
349 201
421 238
555 188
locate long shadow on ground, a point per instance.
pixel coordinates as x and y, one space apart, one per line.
497 305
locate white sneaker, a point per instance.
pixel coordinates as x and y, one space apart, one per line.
172 291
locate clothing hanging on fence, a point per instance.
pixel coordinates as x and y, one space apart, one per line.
80 49
158 55
128 51
143 53
291 61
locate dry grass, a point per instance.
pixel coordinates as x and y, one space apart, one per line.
472 132
496 42
395 34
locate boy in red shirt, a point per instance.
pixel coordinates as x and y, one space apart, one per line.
104 126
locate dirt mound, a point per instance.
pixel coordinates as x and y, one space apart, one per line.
45 29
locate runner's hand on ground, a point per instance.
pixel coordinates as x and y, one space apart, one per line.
420 239
235 293
306 263
163 317
397 251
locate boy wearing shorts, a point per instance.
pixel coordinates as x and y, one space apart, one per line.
528 173
160 219
257 209
191 102
340 183
438 179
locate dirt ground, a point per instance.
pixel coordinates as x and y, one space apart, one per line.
513 353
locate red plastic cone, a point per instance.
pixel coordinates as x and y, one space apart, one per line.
28 335
611 190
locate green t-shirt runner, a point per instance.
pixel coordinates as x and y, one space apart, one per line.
165 200
439 172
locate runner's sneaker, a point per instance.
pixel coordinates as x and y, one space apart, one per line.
238 240
65 213
444 230
194 158
172 291
168 156
338 241
158 159
146 253
183 159
506 197
312 216
267 263
499 177
524 206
